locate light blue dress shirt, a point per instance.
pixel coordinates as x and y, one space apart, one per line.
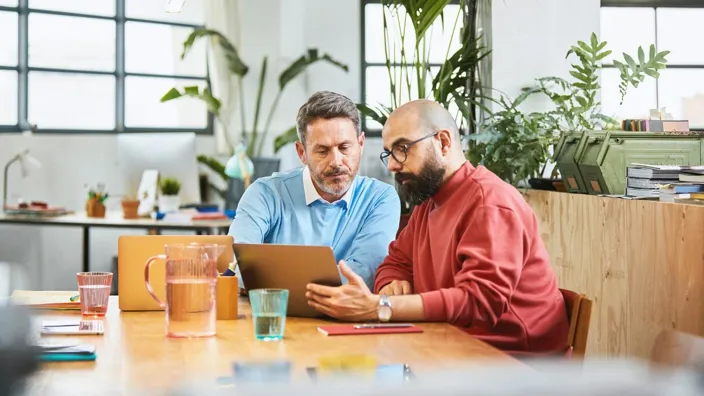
285 208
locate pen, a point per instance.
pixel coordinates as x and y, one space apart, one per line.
382 325
230 271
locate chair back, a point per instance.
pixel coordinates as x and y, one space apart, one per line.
579 313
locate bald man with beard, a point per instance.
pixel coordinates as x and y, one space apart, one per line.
471 254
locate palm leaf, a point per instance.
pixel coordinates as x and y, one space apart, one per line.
290 136
300 65
234 62
194 91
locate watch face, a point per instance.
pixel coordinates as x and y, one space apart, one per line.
384 313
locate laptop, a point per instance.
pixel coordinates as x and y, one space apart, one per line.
133 251
292 267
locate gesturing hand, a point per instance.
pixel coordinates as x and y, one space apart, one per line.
353 301
397 288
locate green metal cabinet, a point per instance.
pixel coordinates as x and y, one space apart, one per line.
567 151
603 160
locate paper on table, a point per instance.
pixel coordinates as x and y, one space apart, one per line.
46 299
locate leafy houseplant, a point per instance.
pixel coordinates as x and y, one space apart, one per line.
169 200
256 137
453 84
516 145
95 205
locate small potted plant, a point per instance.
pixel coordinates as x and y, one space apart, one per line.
95 205
130 206
169 201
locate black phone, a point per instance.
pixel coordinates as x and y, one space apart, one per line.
386 373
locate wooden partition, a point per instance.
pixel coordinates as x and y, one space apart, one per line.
642 263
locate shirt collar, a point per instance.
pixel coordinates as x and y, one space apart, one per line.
312 194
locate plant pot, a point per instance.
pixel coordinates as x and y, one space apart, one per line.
169 203
129 209
235 187
542 183
95 208
559 186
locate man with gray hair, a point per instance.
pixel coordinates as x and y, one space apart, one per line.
325 202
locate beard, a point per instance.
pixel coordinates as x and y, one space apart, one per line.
418 188
340 182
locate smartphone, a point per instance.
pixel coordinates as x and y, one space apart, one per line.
386 373
84 327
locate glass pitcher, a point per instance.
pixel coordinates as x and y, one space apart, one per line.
191 274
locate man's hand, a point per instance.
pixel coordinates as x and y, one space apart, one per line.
353 301
397 288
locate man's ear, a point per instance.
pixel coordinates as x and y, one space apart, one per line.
301 150
360 139
445 138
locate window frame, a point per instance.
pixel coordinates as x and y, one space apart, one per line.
364 64
655 4
23 69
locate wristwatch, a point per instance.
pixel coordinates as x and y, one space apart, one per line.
384 308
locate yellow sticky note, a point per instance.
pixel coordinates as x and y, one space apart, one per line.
347 364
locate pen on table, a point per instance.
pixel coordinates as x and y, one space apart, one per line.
382 325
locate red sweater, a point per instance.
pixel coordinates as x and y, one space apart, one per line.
474 254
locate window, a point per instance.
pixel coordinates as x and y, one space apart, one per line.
375 76
680 87
99 66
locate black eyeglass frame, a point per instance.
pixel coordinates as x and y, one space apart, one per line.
384 155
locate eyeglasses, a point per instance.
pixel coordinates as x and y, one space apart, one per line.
400 151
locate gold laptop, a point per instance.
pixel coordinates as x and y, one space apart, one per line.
133 251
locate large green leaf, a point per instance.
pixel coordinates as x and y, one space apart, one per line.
286 138
194 91
213 164
422 13
378 115
302 63
234 62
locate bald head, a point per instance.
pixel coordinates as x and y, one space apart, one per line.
430 116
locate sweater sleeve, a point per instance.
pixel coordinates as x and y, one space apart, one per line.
398 265
490 254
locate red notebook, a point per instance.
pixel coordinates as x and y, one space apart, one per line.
351 330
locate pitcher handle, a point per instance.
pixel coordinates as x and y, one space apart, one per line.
147 266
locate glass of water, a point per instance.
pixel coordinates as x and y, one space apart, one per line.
269 313
94 291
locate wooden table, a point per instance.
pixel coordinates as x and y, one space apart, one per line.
134 354
115 220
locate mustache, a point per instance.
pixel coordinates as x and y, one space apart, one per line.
404 176
336 172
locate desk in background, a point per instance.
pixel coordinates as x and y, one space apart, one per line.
134 356
115 220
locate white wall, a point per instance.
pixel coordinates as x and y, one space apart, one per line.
531 38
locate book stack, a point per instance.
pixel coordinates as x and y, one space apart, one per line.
664 182
644 125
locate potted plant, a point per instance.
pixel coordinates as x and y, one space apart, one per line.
95 205
169 200
458 81
254 136
130 206
516 146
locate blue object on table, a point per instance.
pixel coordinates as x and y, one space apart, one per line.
262 372
66 357
159 215
230 271
230 213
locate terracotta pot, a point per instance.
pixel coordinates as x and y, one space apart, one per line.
129 209
94 208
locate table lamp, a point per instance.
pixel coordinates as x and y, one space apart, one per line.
25 159
240 166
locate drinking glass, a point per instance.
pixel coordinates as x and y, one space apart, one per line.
269 313
191 274
94 291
